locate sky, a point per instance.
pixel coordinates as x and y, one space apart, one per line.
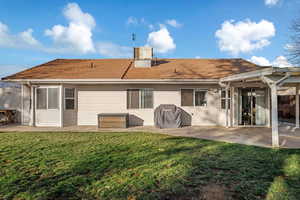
33 32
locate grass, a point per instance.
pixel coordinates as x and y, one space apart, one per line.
142 166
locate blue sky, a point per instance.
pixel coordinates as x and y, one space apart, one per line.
33 32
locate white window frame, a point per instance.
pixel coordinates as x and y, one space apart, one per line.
194 96
225 98
47 99
75 107
140 98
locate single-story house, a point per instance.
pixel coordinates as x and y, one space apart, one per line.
214 92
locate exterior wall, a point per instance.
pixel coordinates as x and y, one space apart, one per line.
10 98
96 99
91 100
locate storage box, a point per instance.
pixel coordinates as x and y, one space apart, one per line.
113 120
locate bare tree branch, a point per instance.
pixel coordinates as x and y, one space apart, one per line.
293 47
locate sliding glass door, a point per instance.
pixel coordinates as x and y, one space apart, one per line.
252 106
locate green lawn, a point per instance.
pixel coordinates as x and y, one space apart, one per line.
142 166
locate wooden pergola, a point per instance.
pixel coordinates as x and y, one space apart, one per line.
273 78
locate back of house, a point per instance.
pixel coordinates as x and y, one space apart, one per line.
71 92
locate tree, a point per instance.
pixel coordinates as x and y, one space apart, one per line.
294 46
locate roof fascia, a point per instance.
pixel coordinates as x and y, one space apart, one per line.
116 81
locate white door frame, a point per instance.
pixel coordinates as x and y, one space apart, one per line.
59 87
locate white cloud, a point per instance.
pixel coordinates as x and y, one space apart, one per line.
161 40
20 40
280 61
132 21
77 36
174 23
244 36
271 2
136 21
262 61
113 50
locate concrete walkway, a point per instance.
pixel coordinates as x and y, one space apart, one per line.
289 136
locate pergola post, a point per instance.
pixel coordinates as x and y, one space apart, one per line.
226 105
32 121
297 106
275 135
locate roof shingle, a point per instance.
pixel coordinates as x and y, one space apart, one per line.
124 69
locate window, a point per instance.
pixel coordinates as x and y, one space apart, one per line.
192 97
69 98
187 97
47 98
52 98
223 99
200 98
41 96
139 98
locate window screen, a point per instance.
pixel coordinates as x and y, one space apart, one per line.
41 98
133 97
139 98
223 99
53 98
200 98
187 97
69 98
146 98
69 93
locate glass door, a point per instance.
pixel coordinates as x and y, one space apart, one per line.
252 104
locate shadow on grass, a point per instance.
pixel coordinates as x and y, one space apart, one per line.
160 167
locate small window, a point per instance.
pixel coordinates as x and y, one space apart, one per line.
146 98
192 97
139 98
223 99
69 98
41 98
200 98
187 97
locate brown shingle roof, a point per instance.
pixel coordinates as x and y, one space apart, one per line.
123 68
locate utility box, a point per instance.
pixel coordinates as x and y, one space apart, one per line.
113 120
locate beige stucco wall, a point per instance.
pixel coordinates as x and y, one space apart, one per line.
96 99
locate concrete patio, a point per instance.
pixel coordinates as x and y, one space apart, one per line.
289 135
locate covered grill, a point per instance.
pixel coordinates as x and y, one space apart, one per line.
168 116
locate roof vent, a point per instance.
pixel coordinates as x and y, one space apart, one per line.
143 56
